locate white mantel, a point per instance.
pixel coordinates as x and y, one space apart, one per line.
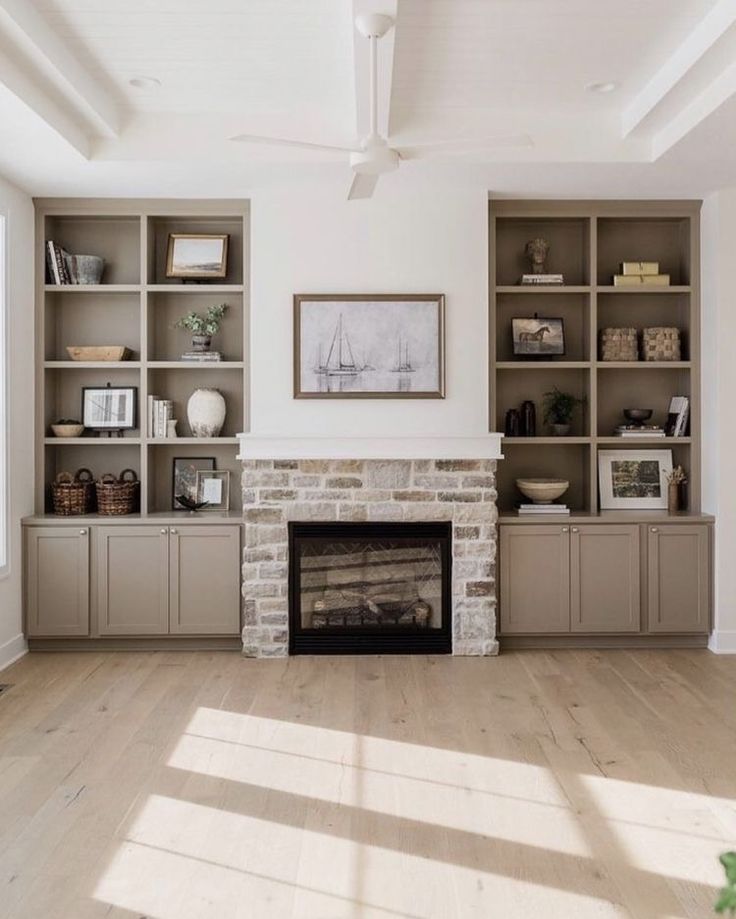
270 447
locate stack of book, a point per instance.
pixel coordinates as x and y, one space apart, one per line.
678 417
638 274
639 430
542 279
202 356
160 413
57 264
543 509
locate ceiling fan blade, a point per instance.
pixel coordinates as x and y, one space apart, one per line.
288 142
415 151
362 186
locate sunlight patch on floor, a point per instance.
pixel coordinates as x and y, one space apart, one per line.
188 861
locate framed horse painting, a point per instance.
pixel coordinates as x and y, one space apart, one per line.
538 337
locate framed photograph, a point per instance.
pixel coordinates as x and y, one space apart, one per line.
197 255
214 487
633 479
110 408
538 337
369 346
184 476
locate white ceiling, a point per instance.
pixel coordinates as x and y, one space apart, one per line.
71 123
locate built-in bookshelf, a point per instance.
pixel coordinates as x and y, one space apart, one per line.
588 240
136 305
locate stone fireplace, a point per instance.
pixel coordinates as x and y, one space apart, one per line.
290 481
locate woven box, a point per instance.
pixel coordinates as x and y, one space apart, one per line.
661 343
619 345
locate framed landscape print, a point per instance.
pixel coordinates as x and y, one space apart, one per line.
538 337
634 479
184 476
197 255
109 408
369 346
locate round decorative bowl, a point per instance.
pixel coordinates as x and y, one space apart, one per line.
542 491
638 415
67 430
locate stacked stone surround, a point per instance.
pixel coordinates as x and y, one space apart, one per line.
460 491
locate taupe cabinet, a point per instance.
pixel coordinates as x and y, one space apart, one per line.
132 580
604 578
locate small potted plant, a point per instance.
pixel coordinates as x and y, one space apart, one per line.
202 326
558 409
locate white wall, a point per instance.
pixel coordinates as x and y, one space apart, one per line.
419 238
17 207
719 399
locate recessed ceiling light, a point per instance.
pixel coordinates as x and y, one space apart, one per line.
602 87
144 82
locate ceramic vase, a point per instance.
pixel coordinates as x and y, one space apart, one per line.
206 412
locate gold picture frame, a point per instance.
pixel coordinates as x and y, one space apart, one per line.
397 349
186 259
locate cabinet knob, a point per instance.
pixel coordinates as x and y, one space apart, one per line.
82 532
163 531
566 529
173 530
655 530
575 530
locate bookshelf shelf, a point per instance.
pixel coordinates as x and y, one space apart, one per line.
543 365
671 289
543 289
138 308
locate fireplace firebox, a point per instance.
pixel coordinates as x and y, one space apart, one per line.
370 588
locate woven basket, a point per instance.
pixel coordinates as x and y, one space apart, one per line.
661 343
116 497
73 495
619 345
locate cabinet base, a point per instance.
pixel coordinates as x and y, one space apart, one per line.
190 643
520 642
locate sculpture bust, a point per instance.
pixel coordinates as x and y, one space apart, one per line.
537 250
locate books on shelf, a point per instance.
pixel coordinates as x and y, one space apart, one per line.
633 431
641 280
530 509
542 279
678 417
647 268
159 413
202 357
57 264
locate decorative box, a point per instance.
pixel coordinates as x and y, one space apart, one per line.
661 343
619 345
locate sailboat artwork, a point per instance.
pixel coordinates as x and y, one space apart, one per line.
379 346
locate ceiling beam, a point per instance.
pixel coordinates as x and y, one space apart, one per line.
361 68
36 41
25 88
701 39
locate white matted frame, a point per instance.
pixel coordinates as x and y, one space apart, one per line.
222 478
633 479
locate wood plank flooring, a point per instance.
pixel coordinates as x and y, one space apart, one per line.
199 785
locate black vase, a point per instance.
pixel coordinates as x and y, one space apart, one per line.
513 423
528 419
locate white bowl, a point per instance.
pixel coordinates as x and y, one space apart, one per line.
542 491
67 430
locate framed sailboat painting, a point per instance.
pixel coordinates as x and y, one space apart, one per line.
369 346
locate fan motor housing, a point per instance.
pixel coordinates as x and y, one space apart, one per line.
374 161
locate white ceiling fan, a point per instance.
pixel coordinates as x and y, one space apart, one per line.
372 156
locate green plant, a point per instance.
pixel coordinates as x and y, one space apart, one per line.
199 324
559 406
727 898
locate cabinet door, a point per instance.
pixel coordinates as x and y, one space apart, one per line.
57 581
132 580
535 579
205 580
604 578
678 578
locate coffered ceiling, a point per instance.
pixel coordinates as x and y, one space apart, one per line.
116 96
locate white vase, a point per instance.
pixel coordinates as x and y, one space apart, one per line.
206 412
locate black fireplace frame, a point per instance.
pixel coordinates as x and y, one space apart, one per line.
393 640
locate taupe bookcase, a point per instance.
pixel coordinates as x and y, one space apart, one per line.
136 305
588 240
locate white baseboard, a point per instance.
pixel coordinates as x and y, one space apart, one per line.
723 642
12 650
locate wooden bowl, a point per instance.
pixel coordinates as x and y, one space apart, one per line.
542 491
98 352
67 430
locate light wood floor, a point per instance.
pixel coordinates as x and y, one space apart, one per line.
539 784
